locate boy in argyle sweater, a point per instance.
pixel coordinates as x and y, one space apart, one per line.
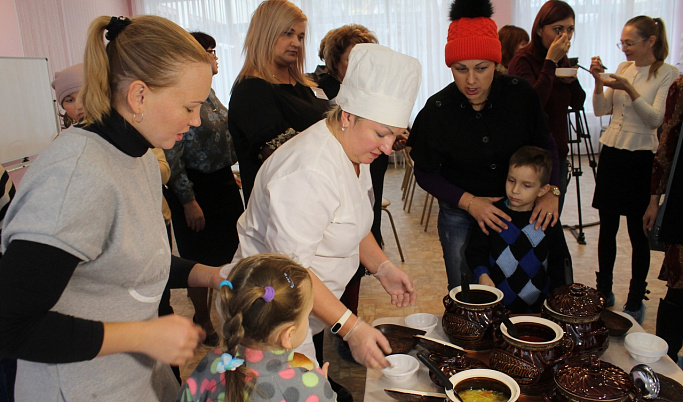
524 262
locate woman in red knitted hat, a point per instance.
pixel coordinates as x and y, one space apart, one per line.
464 136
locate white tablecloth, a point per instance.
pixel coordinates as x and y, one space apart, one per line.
375 382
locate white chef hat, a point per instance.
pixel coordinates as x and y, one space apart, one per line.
380 85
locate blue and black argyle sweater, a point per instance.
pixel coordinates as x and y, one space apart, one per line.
517 260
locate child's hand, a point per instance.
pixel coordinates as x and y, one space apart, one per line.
485 279
325 368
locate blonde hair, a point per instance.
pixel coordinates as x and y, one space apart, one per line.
335 43
646 28
253 321
151 49
271 19
333 116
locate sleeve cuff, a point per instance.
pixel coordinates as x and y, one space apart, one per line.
480 270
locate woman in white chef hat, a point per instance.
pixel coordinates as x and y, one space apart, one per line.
312 197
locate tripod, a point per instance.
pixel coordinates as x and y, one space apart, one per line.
577 131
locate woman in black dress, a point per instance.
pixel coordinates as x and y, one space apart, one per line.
271 93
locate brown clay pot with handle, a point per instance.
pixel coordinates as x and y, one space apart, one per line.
577 309
531 358
471 322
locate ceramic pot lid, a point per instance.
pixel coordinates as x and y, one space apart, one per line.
576 300
594 380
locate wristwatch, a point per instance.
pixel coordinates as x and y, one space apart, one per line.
555 190
339 324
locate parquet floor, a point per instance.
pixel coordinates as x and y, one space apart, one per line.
424 263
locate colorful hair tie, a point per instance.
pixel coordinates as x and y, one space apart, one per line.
226 283
291 283
227 362
268 294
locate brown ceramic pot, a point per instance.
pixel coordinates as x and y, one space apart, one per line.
470 324
532 358
577 308
587 379
452 365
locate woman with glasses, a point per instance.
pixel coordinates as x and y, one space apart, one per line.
202 193
551 37
636 98
271 93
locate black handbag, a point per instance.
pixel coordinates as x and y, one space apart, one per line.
658 236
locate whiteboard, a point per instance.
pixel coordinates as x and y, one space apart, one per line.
27 113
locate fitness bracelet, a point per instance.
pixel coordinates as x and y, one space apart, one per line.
340 323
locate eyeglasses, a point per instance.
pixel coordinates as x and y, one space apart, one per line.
212 51
623 44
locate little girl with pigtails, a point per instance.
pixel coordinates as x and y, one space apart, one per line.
266 301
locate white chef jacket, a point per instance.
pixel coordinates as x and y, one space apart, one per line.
308 204
634 123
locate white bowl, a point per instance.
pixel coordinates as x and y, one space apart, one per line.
644 347
423 321
565 72
488 373
402 367
606 77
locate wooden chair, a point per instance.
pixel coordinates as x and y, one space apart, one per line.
385 205
409 182
429 199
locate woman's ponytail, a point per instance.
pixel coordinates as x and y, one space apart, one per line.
96 91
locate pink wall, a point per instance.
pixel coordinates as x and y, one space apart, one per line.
10 36
57 29
676 37
502 12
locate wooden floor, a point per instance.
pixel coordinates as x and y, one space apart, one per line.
424 263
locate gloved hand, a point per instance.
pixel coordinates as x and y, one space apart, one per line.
396 283
365 342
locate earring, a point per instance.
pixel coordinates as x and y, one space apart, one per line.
343 128
142 116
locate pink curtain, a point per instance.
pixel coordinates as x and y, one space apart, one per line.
57 29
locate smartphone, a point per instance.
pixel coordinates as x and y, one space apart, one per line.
573 61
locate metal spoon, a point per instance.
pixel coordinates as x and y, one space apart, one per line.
584 68
512 330
646 379
442 377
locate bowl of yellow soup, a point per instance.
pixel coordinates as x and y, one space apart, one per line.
485 385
